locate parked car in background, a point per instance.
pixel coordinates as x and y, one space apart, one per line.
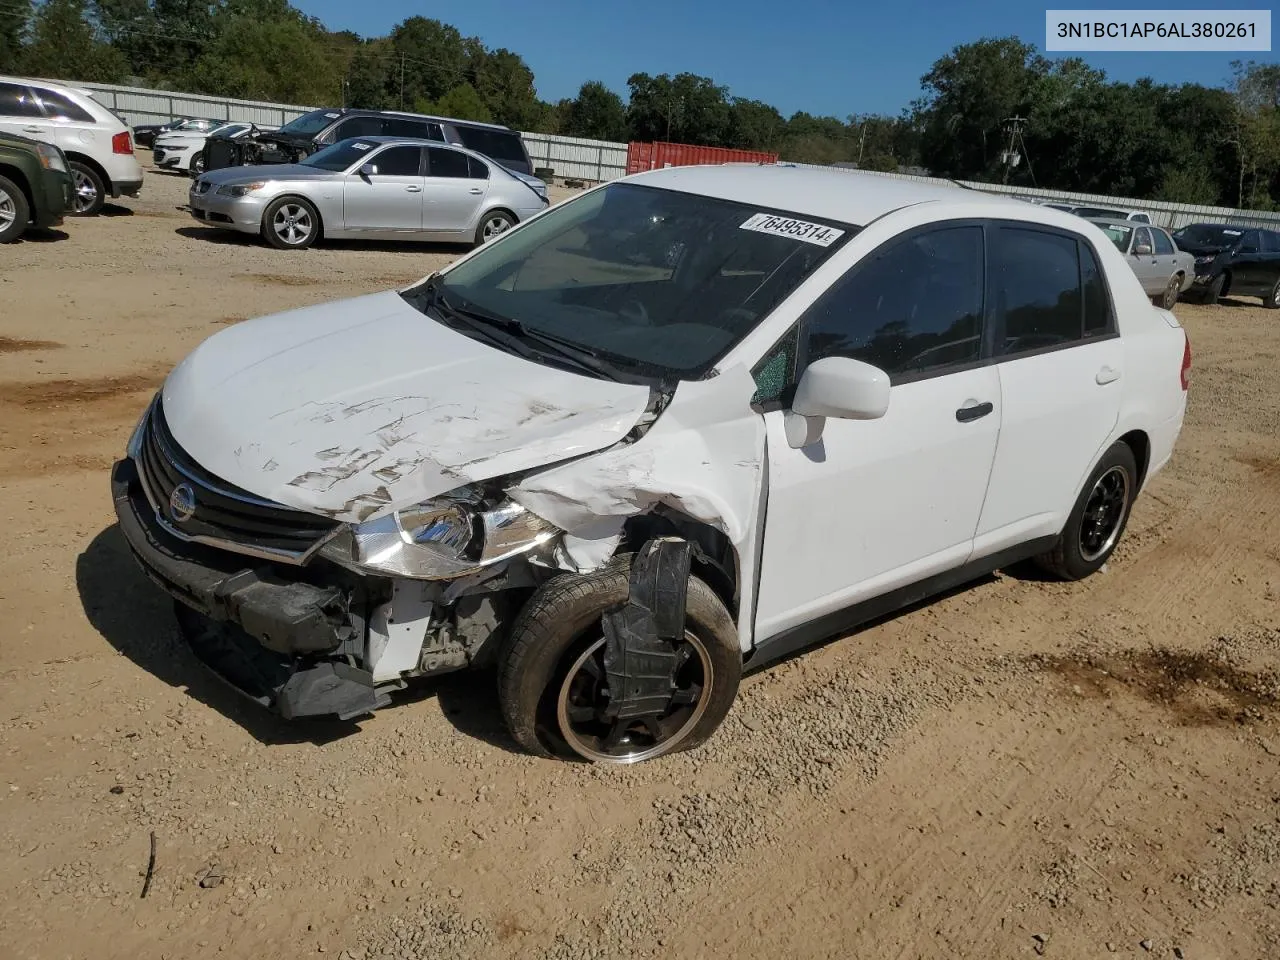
1232 260
35 186
183 150
145 135
97 144
1164 270
1111 213
691 420
314 131
375 188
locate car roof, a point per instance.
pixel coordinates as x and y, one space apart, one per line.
845 195
350 112
1120 222
383 139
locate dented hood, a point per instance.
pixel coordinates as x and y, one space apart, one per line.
355 408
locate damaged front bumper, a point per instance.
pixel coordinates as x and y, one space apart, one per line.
293 646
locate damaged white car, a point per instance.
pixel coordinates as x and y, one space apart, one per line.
687 422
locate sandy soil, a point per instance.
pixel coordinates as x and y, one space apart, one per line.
1022 768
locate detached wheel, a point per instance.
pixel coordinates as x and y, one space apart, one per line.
494 224
1171 291
1272 300
1098 519
90 193
291 223
553 689
14 211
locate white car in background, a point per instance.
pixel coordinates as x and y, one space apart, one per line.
97 143
688 421
183 150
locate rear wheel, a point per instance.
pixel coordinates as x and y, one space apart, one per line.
1272 300
291 223
1098 519
495 223
553 688
1171 291
14 211
90 194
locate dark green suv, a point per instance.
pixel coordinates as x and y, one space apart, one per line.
35 187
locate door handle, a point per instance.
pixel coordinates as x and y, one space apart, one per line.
476 190
32 130
974 411
1107 375
414 189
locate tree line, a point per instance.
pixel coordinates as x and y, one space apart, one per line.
1074 129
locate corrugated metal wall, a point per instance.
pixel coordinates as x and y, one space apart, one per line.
600 160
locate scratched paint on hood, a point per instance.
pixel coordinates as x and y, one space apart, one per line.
355 408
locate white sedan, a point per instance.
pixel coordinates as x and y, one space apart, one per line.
688 421
183 150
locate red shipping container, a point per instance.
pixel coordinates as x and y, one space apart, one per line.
655 156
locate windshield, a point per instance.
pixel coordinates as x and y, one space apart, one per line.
1116 234
309 124
661 282
1209 235
229 129
340 156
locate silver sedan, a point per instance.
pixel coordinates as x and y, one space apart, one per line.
372 188
1163 269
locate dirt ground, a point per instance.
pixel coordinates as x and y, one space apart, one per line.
1021 768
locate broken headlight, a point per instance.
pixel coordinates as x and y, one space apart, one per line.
446 537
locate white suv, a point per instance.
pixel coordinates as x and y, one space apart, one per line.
98 145
690 420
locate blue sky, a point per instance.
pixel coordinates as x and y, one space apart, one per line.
824 56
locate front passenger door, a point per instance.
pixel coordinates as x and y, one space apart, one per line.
879 504
1147 265
1248 272
20 114
389 198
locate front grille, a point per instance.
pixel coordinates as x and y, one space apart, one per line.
223 514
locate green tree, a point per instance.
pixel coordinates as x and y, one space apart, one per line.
429 60
368 78
463 102
64 44
14 18
597 113
755 125
685 109
505 84
284 60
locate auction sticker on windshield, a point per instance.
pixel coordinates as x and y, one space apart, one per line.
815 233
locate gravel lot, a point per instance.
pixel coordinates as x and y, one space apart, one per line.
1022 768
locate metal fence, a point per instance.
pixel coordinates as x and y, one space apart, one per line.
600 160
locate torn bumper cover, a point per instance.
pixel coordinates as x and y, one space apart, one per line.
270 638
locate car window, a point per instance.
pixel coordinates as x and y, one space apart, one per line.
60 107
775 374
499 144
17 101
359 127
1270 241
1117 234
1251 242
1140 217
1036 278
1164 246
399 127
1098 318
913 306
1143 239
477 169
447 163
399 162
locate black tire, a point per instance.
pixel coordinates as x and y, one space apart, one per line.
197 165
305 223
89 195
1086 542
1272 300
560 623
1171 291
13 203
494 223
1214 291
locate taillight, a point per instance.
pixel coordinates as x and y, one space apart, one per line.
1186 360
122 142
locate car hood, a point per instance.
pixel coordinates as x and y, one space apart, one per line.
356 408
253 173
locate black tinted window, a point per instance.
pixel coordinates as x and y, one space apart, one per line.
399 162
499 144
1164 245
1250 243
1270 242
914 305
447 163
397 127
1037 286
61 108
476 169
359 127
1097 303
16 101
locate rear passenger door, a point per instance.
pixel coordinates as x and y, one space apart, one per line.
456 186
1061 366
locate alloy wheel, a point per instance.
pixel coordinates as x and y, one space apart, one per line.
1104 513
292 223
86 191
8 210
494 226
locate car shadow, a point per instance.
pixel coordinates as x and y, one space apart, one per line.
1236 302
136 618
114 210
213 234
222 237
44 235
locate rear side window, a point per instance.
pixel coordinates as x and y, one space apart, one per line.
1164 245
1037 283
60 107
913 307
499 144
1270 242
16 101
1140 218
447 163
1097 301
359 127
477 169
398 127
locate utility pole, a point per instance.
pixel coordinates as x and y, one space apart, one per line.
402 81
1011 157
862 139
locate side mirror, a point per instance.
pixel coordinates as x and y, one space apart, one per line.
838 387
368 170
1141 250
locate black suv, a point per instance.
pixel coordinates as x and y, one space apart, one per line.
1241 261
310 132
